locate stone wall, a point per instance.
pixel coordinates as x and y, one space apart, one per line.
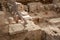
40 11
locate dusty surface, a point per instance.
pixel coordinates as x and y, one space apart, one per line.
32 20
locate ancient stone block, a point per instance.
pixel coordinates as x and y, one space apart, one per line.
15 28
48 14
30 26
54 20
35 7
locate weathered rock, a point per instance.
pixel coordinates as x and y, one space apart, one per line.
30 26
26 8
45 14
48 14
31 35
15 28
37 7
34 35
53 7
11 20
20 6
54 20
52 33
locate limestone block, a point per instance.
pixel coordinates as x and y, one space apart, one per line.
54 20
15 28
48 14
35 7
30 26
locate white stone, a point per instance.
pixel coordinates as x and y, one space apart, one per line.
54 20
31 26
27 17
17 3
24 13
11 20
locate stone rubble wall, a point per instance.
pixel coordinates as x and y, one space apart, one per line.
41 12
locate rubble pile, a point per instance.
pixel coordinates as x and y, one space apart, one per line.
30 20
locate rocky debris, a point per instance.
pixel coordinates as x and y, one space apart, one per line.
52 33
42 13
49 37
52 30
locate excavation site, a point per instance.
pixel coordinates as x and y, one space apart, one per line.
29 19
